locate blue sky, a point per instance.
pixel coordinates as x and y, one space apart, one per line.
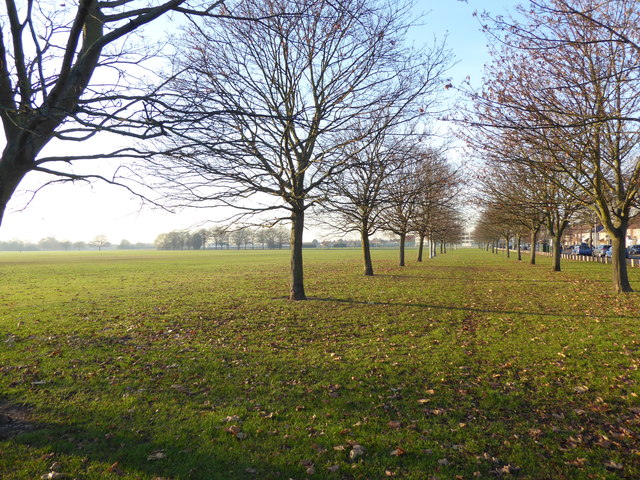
80 212
464 37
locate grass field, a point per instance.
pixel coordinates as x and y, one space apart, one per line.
193 365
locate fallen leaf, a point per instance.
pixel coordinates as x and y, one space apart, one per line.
333 468
53 475
318 448
508 470
394 424
115 469
611 465
397 452
159 455
603 442
356 452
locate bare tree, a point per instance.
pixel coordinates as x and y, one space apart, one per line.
240 237
357 197
439 190
519 192
566 80
263 237
63 71
402 198
519 195
175 240
220 236
100 241
266 107
487 229
446 227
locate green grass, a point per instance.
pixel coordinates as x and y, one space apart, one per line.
469 365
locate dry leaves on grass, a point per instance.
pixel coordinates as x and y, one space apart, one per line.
357 451
157 455
53 476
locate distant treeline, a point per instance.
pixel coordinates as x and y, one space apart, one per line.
223 238
53 244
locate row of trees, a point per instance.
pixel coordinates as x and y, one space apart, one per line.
273 107
266 106
276 117
557 121
397 186
52 243
223 237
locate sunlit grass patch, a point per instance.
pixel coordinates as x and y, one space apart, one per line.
194 365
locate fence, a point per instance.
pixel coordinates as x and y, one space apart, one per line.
632 262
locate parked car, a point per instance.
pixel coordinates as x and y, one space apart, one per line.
633 249
610 251
601 250
582 249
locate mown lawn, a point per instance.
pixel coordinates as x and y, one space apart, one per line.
193 365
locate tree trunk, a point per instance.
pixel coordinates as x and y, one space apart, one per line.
534 240
518 237
366 252
619 260
507 243
297 274
420 248
402 239
556 251
11 173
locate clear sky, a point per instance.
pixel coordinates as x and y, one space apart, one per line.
80 212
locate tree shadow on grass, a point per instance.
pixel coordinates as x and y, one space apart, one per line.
100 449
500 280
490 408
15 419
469 309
